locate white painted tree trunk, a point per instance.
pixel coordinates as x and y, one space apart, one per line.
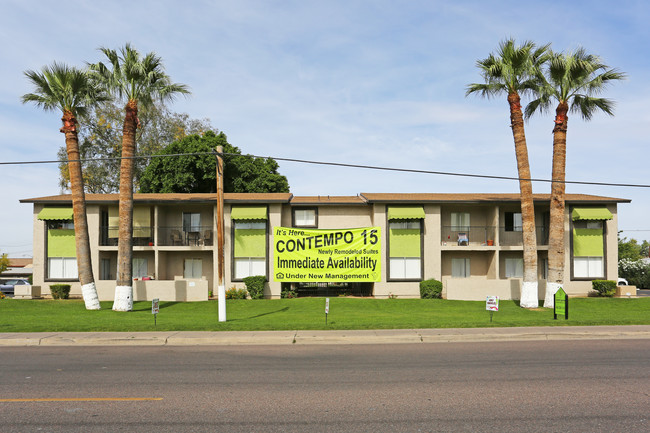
551 289
89 293
529 295
123 298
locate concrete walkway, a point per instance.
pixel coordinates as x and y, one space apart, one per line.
388 336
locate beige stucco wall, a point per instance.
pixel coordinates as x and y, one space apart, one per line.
487 263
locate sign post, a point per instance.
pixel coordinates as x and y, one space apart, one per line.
492 305
327 308
155 308
561 304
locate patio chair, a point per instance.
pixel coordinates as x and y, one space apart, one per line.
463 239
176 237
207 237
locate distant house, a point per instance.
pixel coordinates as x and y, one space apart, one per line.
470 242
18 268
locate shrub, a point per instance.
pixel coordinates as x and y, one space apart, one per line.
60 291
430 289
255 286
235 293
289 293
604 287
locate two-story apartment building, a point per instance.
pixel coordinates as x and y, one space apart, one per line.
470 242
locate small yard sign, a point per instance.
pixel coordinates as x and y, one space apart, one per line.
155 307
327 308
561 304
492 305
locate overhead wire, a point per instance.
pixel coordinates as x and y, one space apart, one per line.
340 164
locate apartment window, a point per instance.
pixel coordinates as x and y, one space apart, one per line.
405 244
62 268
61 251
140 267
588 267
588 249
250 237
191 222
305 218
513 222
460 221
514 268
105 270
460 268
250 249
193 268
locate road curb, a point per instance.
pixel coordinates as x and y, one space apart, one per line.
313 337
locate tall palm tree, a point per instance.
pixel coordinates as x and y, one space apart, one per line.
134 80
512 71
572 80
60 87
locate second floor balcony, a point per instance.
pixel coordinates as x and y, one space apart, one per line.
166 236
486 235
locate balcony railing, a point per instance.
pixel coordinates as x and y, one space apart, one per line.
167 236
142 236
485 235
512 238
188 236
468 235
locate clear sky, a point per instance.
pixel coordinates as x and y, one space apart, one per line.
362 82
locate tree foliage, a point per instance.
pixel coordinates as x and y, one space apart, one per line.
4 262
632 250
197 173
101 139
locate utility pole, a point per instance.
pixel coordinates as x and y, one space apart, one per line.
221 292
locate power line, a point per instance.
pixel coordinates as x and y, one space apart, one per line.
340 164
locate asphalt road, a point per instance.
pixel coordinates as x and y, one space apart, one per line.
590 386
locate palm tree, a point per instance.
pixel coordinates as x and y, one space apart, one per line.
571 80
134 80
512 71
60 87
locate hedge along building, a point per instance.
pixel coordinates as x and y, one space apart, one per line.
470 242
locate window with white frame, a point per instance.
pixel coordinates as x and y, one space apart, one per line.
460 268
544 269
588 267
63 268
191 221
105 269
140 267
460 221
514 267
249 248
588 249
405 249
193 268
513 222
305 218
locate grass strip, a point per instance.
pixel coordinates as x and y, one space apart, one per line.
309 313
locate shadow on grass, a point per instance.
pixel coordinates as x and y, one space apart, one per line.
281 310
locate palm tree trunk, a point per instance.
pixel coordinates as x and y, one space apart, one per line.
555 278
528 297
124 287
82 240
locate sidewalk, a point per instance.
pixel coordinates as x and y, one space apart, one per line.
388 336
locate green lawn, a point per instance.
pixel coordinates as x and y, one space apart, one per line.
309 313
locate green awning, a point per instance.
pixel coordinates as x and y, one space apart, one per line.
588 243
248 213
55 213
406 213
591 213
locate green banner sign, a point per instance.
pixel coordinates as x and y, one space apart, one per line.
339 255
